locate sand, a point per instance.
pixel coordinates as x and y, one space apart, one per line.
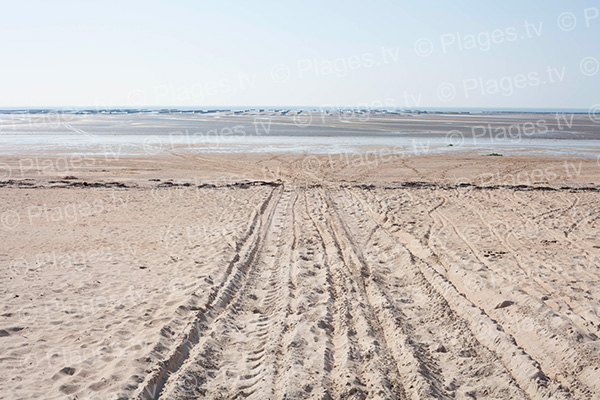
301 276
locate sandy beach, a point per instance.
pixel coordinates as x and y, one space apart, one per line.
300 276
390 200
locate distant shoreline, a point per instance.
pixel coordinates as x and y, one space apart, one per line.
281 109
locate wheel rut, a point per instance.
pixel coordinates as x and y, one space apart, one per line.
525 371
336 292
218 300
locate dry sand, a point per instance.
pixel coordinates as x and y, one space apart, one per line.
266 276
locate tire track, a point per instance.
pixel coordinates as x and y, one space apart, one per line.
568 357
241 356
443 350
575 314
524 370
338 293
264 344
306 362
218 300
344 354
362 367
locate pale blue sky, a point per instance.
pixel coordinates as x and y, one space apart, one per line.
392 53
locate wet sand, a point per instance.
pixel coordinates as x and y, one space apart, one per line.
309 123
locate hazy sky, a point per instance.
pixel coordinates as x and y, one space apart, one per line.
406 54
